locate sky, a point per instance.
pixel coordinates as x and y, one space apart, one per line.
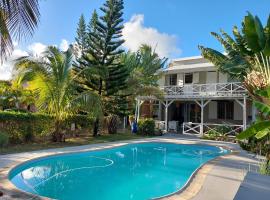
174 28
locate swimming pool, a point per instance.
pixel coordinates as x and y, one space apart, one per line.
134 171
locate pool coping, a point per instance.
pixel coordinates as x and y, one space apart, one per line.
188 191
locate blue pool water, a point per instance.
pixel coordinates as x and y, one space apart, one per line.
135 171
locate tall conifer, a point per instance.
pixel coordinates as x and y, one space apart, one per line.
100 69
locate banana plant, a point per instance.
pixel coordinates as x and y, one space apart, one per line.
261 129
241 49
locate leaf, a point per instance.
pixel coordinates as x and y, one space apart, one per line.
251 35
264 93
266 50
253 130
264 108
262 133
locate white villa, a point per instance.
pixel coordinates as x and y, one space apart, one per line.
197 98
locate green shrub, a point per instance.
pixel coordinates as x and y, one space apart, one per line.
23 127
146 127
223 129
3 139
265 168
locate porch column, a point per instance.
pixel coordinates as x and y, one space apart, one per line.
245 114
140 102
244 107
202 105
159 110
167 104
202 109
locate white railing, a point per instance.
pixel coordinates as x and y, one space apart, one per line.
197 129
212 89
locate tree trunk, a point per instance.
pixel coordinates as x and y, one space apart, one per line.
58 135
96 127
112 124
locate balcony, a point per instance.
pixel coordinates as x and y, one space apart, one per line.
234 89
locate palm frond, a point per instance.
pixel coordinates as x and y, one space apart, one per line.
18 19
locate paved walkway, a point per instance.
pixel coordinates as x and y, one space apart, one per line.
217 180
253 187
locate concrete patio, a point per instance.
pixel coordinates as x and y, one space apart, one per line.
218 179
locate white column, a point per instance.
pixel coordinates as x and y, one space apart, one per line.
202 109
245 114
202 105
167 104
166 116
244 107
138 112
159 110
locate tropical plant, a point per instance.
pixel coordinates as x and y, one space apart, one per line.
243 53
18 19
261 129
51 80
99 68
146 127
143 68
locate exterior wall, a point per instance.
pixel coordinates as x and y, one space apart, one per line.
161 81
200 77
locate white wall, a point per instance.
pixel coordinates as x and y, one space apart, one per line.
211 77
223 78
161 81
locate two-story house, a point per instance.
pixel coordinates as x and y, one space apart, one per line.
197 98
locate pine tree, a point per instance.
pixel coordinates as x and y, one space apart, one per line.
100 68
81 39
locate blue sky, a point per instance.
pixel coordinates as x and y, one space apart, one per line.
190 21
173 27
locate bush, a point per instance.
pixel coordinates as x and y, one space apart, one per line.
23 127
264 168
3 139
146 127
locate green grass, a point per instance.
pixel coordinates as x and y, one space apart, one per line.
75 141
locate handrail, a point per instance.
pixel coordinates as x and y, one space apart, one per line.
211 89
194 128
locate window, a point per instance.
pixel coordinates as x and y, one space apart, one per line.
225 110
173 79
188 78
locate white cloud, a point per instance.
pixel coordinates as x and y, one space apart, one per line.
64 45
7 67
36 49
136 34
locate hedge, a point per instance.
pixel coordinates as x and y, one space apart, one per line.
25 127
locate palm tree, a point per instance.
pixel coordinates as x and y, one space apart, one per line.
18 19
143 67
51 80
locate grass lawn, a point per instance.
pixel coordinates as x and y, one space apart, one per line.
75 141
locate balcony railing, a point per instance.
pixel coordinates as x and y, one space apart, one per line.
212 89
195 128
